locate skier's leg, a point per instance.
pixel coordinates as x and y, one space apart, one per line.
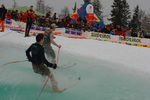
54 83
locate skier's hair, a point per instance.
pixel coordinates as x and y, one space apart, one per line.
39 37
53 26
2 6
31 6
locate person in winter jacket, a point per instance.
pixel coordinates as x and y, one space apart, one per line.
30 19
35 54
3 12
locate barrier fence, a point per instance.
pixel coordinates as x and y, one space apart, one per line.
79 34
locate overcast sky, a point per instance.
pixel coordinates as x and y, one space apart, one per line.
59 4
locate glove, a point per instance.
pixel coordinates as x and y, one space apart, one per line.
54 66
29 59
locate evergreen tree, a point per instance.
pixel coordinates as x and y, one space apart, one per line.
75 8
48 8
87 1
64 12
40 6
97 8
126 13
144 19
145 23
120 13
135 22
142 14
116 13
15 4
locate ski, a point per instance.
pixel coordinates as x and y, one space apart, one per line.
65 66
71 86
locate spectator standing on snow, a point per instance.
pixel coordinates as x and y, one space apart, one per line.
3 12
30 19
54 16
48 14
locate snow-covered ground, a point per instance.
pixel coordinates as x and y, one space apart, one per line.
127 56
108 71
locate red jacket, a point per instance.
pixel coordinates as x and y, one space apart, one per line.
30 14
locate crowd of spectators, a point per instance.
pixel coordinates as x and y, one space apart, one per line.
48 19
109 29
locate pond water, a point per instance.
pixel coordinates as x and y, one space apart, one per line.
86 78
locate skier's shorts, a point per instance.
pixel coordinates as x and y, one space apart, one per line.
41 69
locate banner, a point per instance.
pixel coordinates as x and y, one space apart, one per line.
135 41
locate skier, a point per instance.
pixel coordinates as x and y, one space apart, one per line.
49 38
30 19
35 54
3 12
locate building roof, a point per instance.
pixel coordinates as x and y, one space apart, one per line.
24 9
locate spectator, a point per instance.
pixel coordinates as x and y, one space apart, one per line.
3 12
42 21
30 19
54 16
9 14
48 14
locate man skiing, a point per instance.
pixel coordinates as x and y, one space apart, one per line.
30 19
35 54
48 39
3 12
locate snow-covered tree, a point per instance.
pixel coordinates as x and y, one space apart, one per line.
14 4
97 8
135 22
87 1
126 13
120 13
40 6
64 12
145 24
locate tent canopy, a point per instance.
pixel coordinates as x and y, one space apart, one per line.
24 9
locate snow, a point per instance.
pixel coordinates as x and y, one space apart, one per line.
108 71
127 56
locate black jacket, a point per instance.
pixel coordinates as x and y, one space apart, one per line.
35 54
3 12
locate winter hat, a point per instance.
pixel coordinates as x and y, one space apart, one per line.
53 26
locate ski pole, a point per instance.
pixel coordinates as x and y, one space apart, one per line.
58 54
48 77
42 88
13 62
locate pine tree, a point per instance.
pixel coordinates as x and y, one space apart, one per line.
40 6
144 19
75 8
64 12
15 4
116 13
126 13
87 1
135 22
120 13
142 14
48 8
97 8
145 23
